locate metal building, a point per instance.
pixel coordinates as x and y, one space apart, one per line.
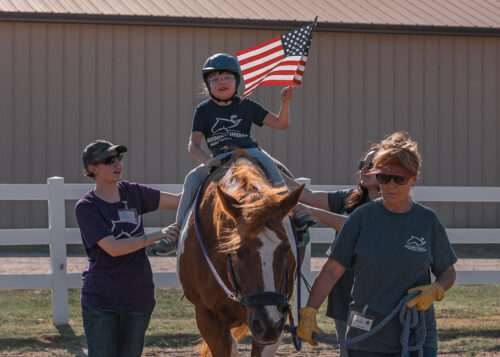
129 71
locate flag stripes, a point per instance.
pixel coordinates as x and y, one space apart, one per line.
279 61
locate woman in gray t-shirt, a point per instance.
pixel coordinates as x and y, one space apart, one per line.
332 209
393 244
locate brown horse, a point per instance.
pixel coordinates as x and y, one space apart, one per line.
243 222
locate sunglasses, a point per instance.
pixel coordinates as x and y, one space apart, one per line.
398 180
110 160
365 165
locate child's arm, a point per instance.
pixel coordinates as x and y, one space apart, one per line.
281 120
194 148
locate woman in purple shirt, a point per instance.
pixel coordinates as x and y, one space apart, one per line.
118 291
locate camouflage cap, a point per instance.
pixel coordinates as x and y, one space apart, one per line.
99 150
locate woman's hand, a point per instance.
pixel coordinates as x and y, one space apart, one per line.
307 324
213 162
287 94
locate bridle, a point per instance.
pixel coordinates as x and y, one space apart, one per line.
255 299
260 298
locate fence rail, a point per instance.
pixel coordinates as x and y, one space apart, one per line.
57 236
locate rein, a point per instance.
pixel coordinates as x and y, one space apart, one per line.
412 336
228 292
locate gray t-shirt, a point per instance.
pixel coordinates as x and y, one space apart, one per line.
339 298
391 253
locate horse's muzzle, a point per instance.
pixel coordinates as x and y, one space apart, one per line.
266 330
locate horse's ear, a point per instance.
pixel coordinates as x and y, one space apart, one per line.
290 200
230 204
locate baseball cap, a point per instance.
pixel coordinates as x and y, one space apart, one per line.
99 150
394 167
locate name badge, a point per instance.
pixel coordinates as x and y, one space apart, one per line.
128 215
360 322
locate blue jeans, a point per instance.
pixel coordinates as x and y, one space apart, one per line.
196 176
428 352
115 333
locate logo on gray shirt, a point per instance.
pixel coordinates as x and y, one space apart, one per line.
416 244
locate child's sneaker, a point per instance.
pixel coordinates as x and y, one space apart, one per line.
303 221
165 247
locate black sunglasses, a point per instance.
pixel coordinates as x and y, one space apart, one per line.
398 180
110 160
365 165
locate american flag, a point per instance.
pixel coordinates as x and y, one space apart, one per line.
279 61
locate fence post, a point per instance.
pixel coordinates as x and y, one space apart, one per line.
57 225
306 263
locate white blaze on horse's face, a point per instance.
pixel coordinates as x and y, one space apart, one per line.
270 242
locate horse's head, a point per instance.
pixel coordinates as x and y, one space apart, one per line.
260 252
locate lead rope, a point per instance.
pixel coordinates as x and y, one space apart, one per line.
412 336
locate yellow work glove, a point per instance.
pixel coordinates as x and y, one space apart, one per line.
429 293
307 324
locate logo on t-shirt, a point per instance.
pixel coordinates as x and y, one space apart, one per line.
225 125
118 227
416 244
225 129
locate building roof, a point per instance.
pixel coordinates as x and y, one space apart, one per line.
443 15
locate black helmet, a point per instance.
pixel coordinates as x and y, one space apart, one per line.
221 62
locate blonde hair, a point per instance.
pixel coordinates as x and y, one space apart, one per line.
399 145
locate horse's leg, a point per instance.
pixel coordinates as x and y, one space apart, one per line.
218 338
266 351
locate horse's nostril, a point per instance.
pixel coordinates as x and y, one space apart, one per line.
257 327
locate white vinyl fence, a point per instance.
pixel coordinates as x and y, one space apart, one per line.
55 192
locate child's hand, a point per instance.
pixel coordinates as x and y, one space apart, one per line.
213 162
301 209
287 93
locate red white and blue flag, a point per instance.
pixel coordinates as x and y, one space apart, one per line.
279 61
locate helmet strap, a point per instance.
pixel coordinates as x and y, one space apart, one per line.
218 100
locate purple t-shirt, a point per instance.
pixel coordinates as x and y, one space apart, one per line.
124 282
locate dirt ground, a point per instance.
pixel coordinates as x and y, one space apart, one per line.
170 352
306 352
41 265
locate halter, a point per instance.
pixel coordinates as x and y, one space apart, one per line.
256 299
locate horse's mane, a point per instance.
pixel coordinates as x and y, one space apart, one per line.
257 200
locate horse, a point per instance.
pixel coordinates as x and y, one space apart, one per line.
243 223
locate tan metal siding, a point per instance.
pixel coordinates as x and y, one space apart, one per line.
456 13
63 85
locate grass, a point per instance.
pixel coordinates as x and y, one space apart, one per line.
468 323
